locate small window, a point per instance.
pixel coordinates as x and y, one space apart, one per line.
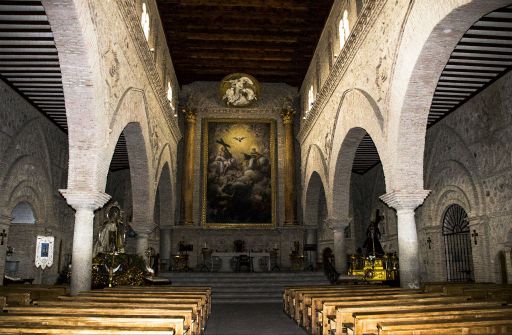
344 29
169 93
145 21
23 213
311 98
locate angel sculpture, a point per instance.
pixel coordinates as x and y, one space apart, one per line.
238 94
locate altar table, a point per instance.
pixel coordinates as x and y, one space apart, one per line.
226 258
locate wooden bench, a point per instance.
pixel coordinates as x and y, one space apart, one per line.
175 306
313 302
190 323
172 325
365 322
462 325
341 313
297 306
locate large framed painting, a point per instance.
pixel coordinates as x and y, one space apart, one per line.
239 173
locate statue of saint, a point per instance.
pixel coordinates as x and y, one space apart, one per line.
111 237
372 244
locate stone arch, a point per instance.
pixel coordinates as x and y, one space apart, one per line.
27 180
315 162
130 119
448 196
357 115
314 193
84 90
425 47
23 212
165 189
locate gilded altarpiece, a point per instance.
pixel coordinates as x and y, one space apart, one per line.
239 187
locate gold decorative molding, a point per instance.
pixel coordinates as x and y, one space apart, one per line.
190 115
287 115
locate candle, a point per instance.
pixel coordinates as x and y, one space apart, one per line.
205 244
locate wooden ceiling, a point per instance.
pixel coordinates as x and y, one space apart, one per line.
273 40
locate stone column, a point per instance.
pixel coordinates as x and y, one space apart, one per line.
338 227
289 171
405 203
85 203
165 248
142 244
187 188
508 263
311 238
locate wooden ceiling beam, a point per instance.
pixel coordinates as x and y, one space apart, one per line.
248 4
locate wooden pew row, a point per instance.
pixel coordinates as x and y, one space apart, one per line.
295 308
84 324
339 312
193 303
190 322
464 325
313 303
291 295
166 291
366 322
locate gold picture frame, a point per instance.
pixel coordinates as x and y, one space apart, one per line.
238 173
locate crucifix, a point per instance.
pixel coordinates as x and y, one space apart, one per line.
475 235
3 234
429 241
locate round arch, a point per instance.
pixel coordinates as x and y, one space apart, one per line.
314 194
425 47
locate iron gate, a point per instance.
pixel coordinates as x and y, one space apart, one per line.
457 244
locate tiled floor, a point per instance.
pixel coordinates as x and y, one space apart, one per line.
251 319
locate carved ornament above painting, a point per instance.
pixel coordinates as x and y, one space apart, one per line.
239 90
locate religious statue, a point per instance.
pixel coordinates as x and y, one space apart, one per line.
111 237
239 90
372 244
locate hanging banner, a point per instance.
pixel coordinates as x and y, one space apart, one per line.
44 251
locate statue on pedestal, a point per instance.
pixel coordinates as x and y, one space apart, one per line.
111 237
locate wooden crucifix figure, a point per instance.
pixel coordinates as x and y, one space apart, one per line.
3 235
475 235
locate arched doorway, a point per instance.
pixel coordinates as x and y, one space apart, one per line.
457 245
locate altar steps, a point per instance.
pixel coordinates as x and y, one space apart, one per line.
244 287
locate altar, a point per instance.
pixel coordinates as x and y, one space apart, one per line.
260 260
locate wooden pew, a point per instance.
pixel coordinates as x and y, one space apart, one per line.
464 325
365 322
190 323
13 323
343 311
297 306
292 296
313 302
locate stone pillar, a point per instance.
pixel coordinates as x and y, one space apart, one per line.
187 188
405 203
142 244
508 263
5 223
338 227
85 203
289 171
165 248
311 238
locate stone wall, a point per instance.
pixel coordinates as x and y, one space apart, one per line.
33 156
467 162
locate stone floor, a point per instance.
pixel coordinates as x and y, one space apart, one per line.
251 319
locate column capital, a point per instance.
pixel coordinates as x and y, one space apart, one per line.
190 115
337 224
403 200
287 114
85 199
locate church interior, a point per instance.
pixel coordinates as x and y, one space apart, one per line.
256 167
